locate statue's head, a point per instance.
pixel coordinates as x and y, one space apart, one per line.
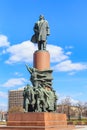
28 86
24 88
41 17
53 90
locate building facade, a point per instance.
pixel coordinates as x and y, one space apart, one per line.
15 98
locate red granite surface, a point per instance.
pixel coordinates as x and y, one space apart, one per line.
36 121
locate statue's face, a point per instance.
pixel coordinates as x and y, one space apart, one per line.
41 17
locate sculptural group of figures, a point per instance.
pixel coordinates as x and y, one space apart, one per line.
39 99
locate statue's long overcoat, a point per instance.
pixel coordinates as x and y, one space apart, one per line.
41 30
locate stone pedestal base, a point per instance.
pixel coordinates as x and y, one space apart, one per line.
36 121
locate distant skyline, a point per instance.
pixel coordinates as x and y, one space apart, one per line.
67 45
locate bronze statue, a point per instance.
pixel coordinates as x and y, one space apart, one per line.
41 30
40 97
29 100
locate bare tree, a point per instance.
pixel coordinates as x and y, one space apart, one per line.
65 106
85 110
80 106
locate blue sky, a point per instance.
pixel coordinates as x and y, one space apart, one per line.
67 45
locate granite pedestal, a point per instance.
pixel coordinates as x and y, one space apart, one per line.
36 121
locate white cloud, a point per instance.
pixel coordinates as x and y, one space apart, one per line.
18 74
3 106
69 66
68 53
22 52
78 94
56 53
62 99
14 82
3 100
21 88
69 47
4 41
3 94
72 73
73 101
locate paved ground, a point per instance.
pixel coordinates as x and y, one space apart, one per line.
78 127
84 127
